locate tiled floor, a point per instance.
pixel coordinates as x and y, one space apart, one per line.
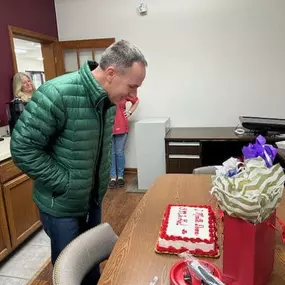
21 266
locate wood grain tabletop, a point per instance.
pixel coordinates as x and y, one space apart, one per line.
134 260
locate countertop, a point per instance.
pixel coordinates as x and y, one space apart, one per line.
214 134
5 149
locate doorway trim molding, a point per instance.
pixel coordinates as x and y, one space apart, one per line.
20 33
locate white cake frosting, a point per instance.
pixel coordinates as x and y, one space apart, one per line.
187 227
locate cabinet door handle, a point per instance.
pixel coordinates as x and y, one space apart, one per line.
184 156
184 144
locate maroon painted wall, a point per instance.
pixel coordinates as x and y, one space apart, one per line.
34 15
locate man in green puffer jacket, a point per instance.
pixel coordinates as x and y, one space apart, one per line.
63 140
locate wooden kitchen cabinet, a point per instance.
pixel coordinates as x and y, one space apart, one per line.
23 216
5 245
19 216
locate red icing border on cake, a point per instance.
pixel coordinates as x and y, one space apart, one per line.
212 229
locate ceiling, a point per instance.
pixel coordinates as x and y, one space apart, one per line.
27 49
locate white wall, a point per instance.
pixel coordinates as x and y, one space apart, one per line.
209 61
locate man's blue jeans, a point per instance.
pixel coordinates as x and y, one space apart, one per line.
118 155
63 230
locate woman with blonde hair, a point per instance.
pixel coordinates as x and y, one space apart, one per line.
23 87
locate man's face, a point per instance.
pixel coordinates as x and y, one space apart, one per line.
124 84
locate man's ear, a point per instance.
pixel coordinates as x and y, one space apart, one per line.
110 73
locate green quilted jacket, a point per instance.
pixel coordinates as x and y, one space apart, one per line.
62 141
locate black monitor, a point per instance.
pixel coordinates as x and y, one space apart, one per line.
263 125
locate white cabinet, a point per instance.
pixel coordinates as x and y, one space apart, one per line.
150 149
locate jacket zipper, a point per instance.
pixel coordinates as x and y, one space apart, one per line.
95 176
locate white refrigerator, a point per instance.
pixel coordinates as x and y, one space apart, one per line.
150 149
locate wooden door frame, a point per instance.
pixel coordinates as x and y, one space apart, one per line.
60 46
46 43
52 49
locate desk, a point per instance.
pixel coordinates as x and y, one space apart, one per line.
134 261
281 157
188 148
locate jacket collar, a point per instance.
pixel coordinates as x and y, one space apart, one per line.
94 89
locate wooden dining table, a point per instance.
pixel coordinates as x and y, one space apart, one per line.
134 260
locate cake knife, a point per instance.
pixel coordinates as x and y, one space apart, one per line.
187 276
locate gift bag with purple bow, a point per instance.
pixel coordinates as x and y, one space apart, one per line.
249 192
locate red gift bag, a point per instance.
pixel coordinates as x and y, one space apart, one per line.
249 249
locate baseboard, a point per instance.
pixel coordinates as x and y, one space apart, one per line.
131 170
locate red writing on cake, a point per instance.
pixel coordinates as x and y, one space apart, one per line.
183 221
198 217
182 214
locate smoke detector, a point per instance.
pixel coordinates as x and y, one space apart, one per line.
142 8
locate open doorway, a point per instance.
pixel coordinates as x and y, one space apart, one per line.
32 51
29 59
59 57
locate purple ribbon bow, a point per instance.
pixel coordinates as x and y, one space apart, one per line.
260 149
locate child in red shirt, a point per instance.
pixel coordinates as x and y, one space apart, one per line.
120 134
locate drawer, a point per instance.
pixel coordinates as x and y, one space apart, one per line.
183 148
182 163
8 171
